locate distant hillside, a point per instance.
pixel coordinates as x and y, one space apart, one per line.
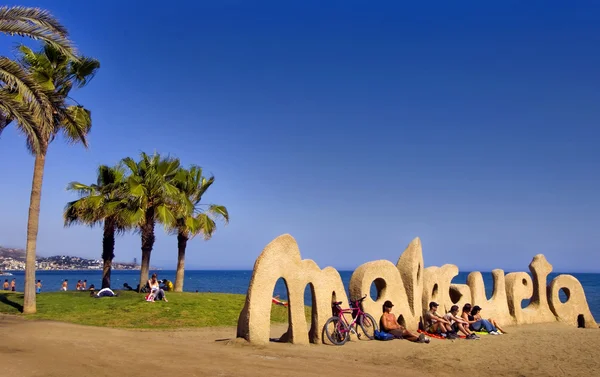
16 254
13 259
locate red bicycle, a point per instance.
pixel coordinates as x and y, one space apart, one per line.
338 329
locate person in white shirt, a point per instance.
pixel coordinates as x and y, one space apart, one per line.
459 324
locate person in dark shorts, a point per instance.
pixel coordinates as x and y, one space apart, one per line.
390 325
435 324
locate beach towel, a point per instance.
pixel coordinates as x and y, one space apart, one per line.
279 302
431 335
437 336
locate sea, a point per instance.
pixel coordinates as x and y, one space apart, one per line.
237 282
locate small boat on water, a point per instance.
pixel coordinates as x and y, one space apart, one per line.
4 273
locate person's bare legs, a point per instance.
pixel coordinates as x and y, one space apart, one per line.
438 327
463 329
496 325
409 335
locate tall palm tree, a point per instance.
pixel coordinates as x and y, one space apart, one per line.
56 74
191 220
101 203
152 187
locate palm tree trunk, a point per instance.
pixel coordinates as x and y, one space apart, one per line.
108 251
29 306
182 240
147 244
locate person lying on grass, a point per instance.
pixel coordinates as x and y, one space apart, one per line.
104 292
435 324
390 324
478 324
459 324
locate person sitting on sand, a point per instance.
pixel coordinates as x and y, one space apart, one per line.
5 286
477 324
156 293
104 292
390 324
459 324
435 324
38 287
475 312
64 285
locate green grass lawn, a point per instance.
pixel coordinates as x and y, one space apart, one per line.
130 310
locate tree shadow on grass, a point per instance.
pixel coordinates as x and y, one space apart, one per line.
6 300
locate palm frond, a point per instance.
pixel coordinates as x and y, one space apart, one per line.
84 70
207 225
11 109
37 24
76 123
34 15
15 77
218 212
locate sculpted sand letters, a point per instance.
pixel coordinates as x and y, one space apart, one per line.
408 284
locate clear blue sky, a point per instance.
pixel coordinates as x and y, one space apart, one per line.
355 127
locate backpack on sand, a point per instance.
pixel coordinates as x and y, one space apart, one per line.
382 335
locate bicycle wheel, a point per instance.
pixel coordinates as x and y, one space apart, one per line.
336 330
368 325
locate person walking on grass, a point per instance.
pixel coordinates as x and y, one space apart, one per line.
13 285
38 287
6 285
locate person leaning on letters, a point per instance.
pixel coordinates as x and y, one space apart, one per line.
390 325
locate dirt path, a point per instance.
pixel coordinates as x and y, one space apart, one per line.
44 349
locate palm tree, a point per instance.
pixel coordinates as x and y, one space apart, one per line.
56 74
101 203
191 220
152 186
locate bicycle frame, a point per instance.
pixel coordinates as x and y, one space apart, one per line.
354 310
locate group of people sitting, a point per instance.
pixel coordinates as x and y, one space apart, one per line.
156 290
446 326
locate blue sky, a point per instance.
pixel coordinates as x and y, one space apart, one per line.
353 126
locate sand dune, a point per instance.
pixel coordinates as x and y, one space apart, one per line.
40 348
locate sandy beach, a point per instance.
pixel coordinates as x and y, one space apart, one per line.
44 349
